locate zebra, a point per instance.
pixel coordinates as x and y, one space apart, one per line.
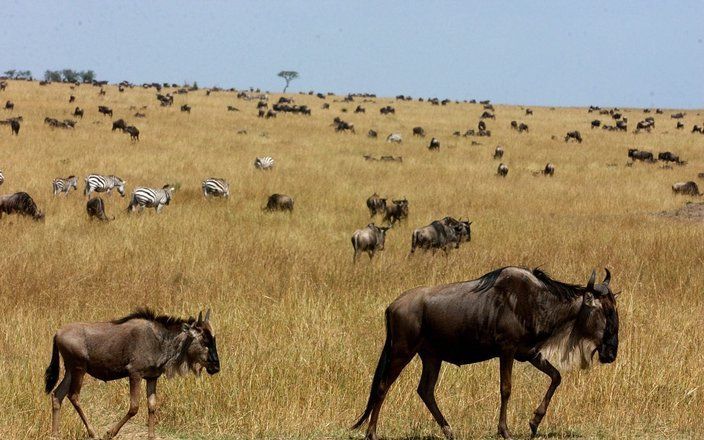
216 187
64 185
2 178
98 183
150 198
264 163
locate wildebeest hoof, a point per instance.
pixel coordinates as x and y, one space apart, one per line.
503 432
533 429
448 433
108 436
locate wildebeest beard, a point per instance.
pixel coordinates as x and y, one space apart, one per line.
175 359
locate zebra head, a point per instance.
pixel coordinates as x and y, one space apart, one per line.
119 184
168 190
72 182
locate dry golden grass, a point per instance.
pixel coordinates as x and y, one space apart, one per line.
299 327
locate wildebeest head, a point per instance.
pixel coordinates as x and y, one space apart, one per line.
380 235
598 318
202 351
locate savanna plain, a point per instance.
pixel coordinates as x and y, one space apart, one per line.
300 327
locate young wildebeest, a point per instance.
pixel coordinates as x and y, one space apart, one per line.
396 212
139 346
64 185
215 187
279 202
370 240
510 313
96 209
376 205
687 188
20 203
502 170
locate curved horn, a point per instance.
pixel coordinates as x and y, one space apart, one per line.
200 318
607 279
207 315
590 283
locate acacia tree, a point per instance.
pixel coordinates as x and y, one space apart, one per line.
288 76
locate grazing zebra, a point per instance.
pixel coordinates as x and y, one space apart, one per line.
264 163
2 178
216 188
150 198
98 183
64 185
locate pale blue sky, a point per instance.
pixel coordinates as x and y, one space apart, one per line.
626 53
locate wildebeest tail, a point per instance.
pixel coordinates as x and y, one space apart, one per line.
381 368
51 376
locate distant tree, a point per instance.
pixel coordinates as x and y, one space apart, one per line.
24 74
87 76
288 76
52 75
69 75
10 73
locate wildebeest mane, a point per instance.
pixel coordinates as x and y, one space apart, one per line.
150 315
487 281
558 288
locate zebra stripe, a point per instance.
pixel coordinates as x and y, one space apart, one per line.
216 187
264 163
2 178
99 183
64 185
150 198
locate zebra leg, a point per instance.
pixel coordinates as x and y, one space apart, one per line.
158 208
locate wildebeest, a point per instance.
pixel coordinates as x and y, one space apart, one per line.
573 135
687 188
698 129
668 157
549 169
394 137
511 313
9 105
120 124
434 144
96 209
498 152
186 108
20 203
679 125
279 202
15 127
679 115
372 134
529 112
502 170
481 126
141 345
596 123
71 99
440 234
487 115
359 109
133 132
106 111
387 110
376 205
341 125
641 155
418 131
397 211
391 159
78 112
231 108
369 239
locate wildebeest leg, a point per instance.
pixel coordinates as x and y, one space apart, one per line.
371 255
151 405
506 368
397 364
426 391
555 379
56 398
73 393
134 407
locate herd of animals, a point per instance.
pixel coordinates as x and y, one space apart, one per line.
511 313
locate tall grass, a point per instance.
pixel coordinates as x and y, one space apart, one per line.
299 327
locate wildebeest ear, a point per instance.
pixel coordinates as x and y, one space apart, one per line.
607 278
588 299
590 283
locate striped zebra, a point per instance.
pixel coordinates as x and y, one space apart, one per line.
150 198
264 163
2 178
64 185
216 188
98 183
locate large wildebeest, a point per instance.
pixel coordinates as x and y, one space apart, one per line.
622 125
9 105
687 188
418 131
372 134
20 203
596 123
522 127
376 205
668 157
679 125
678 115
106 111
511 313
96 209
437 235
697 129
15 127
78 112
502 170
397 211
369 239
549 169
498 152
141 345
514 125
341 125
279 202
642 155
387 110
120 124
394 137
434 144
576 135
481 126
487 115
133 132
